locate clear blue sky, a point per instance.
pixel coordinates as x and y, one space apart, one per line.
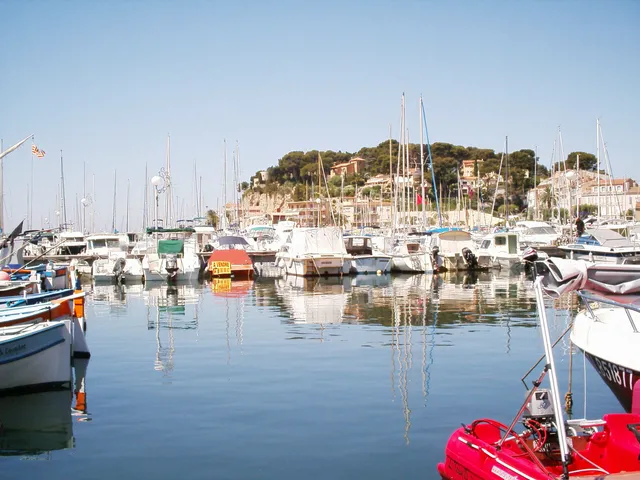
107 81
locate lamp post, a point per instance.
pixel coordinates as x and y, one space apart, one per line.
87 202
155 181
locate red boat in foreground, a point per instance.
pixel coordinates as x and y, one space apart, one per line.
548 446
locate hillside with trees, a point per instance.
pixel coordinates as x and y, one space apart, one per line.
298 171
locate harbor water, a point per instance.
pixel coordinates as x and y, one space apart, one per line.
354 377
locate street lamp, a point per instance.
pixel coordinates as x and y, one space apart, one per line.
156 181
87 202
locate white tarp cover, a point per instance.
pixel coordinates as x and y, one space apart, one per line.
561 276
324 240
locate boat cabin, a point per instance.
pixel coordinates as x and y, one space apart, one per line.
358 245
502 242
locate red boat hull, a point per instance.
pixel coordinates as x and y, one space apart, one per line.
241 264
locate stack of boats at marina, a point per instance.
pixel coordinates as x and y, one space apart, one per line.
550 445
41 332
186 253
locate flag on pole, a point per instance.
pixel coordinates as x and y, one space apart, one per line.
418 199
37 152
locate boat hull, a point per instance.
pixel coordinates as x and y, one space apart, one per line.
412 263
611 347
314 266
38 358
364 264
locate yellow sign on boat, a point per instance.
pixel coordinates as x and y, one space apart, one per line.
221 284
220 268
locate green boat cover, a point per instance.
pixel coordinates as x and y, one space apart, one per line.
170 246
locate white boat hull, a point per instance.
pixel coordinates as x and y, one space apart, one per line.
154 270
39 356
412 263
314 266
363 264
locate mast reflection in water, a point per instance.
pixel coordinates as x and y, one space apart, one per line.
170 307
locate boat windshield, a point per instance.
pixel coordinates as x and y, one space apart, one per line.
541 231
104 243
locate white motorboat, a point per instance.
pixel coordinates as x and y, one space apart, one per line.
73 243
500 250
608 329
113 264
36 356
412 255
536 234
314 252
456 249
603 245
171 256
365 258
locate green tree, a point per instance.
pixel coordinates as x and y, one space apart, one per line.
588 161
212 218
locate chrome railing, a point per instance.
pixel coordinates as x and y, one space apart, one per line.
588 298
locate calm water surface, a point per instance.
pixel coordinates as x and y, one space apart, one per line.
334 378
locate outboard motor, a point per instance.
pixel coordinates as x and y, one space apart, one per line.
469 258
529 256
118 269
434 259
171 265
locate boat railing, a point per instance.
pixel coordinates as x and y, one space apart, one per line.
589 298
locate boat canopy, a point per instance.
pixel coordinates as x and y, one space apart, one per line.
324 240
170 246
561 275
232 240
603 237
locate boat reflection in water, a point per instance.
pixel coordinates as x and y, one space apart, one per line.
233 293
36 424
170 307
418 311
314 300
109 300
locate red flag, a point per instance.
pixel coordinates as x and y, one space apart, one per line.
418 199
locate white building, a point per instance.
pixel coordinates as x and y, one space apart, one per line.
566 189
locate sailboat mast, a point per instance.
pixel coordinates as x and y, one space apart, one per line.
62 195
391 192
578 185
128 187
84 196
224 184
145 208
598 162
168 197
236 183
506 182
113 218
535 184
422 203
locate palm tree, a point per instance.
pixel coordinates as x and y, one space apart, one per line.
212 218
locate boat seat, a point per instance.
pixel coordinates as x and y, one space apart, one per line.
623 449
